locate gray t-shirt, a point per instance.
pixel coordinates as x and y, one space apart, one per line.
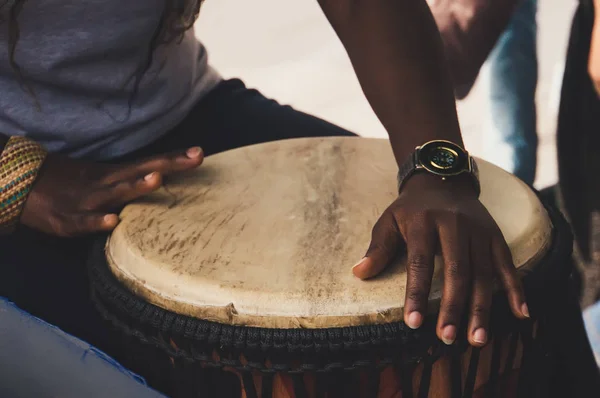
78 57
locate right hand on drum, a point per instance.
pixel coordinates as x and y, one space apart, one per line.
72 197
432 216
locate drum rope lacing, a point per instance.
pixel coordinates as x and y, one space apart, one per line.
135 317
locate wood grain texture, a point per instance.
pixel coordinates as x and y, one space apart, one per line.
266 235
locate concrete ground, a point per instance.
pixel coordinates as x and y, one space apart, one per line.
286 49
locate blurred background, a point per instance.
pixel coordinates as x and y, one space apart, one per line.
287 50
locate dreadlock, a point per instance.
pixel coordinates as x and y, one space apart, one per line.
178 16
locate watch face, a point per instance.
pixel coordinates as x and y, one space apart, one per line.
443 158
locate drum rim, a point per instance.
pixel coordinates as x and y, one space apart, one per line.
134 316
191 281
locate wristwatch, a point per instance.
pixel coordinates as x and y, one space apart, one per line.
442 158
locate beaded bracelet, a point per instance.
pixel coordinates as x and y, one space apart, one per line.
20 163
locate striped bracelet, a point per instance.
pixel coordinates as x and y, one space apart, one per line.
20 163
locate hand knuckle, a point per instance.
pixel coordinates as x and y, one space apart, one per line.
456 270
453 309
480 311
419 263
485 274
513 284
415 295
62 228
108 176
87 203
450 219
422 217
163 163
506 266
455 211
452 211
129 185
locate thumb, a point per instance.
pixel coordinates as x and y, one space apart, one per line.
386 243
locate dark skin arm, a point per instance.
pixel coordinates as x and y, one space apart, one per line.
397 53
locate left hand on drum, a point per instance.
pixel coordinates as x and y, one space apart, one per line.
432 215
74 197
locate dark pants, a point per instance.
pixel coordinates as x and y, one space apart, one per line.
578 143
578 140
47 277
233 116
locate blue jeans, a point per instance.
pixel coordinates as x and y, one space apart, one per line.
591 317
511 136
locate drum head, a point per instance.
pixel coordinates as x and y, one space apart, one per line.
266 235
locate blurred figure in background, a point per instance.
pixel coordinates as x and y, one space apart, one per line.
578 145
503 32
511 135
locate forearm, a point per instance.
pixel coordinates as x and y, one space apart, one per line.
397 54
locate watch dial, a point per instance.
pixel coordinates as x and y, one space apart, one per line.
443 158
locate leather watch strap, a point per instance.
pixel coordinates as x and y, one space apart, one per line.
475 175
408 168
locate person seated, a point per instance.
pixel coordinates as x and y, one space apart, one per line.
102 100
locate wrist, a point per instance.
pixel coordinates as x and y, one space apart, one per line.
20 162
443 162
423 182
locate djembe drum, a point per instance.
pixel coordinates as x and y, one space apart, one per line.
240 272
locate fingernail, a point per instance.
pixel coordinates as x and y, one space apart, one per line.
525 310
110 218
480 336
449 334
414 320
193 152
149 176
362 261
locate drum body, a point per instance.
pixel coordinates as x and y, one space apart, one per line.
240 274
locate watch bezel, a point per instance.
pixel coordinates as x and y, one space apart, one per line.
423 159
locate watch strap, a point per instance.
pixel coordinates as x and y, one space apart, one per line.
474 173
408 168
411 166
